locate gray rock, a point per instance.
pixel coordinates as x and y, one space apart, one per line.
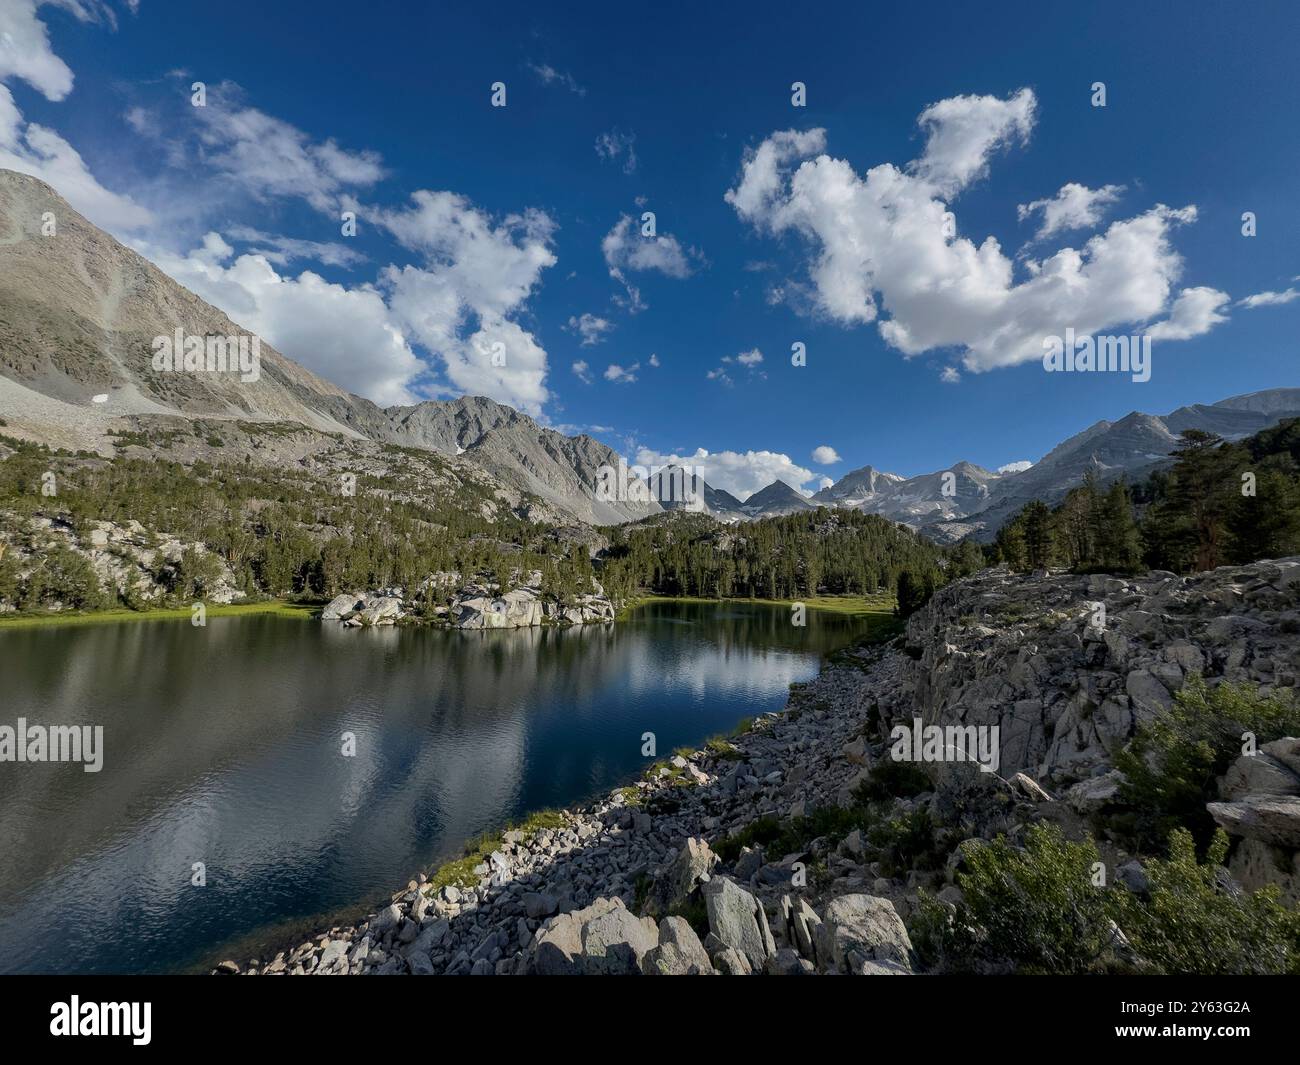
866 925
387 918
1271 819
602 938
733 919
679 953
539 904
693 863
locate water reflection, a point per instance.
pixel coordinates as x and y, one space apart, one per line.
223 746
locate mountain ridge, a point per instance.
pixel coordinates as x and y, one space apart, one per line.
79 312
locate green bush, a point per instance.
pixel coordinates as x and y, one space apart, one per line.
1190 924
1171 764
1037 908
779 838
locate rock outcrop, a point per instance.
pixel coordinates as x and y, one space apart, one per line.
476 605
1068 666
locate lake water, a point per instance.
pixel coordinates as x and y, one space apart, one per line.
223 745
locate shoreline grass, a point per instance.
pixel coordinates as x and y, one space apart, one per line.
858 606
277 607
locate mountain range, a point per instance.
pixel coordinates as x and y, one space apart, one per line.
79 313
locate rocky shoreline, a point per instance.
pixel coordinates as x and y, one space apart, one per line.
476 604
738 858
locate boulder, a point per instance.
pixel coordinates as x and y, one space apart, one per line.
691 865
1271 819
1273 770
342 606
603 938
1096 793
381 610
733 919
679 953
865 926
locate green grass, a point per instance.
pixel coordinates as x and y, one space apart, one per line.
856 606
460 871
278 607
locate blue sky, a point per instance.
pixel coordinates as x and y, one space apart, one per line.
480 225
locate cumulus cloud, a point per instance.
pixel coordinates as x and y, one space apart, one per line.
626 251
590 328
1195 311
1269 299
654 360
825 455
740 473
620 374
476 272
30 148
583 371
1074 206
33 149
962 132
750 360
25 49
889 233
344 334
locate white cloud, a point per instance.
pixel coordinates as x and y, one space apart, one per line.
25 50
1074 206
476 272
825 455
550 76
615 145
622 375
750 360
283 250
591 328
889 232
583 371
268 157
32 149
1195 311
1015 467
963 131
626 249
1269 299
740 473
825 482
654 360
346 335
950 375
